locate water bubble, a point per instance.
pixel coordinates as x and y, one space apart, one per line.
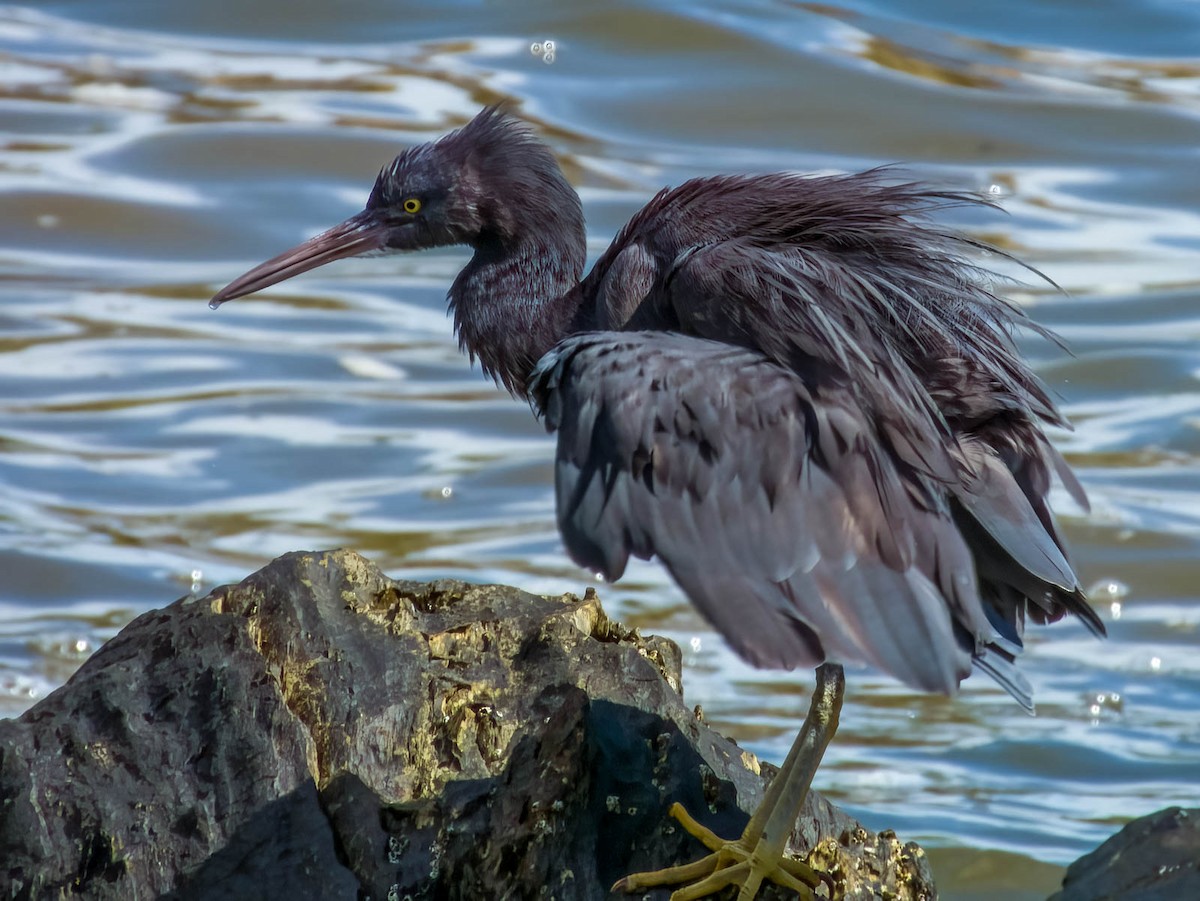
1108 590
18 688
1116 609
544 49
695 643
197 580
995 190
599 577
1104 702
447 491
1156 663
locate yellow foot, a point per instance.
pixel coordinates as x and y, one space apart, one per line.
731 863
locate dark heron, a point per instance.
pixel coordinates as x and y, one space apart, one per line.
794 391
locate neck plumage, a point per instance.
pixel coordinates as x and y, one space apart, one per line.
513 303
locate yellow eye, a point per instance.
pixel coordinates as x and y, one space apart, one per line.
412 205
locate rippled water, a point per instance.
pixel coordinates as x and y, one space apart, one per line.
150 447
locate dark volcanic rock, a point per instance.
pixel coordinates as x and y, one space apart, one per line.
321 731
1154 858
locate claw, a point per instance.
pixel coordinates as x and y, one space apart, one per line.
730 863
759 854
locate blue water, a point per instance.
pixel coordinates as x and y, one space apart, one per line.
150 447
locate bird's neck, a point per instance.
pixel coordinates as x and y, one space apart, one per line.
513 302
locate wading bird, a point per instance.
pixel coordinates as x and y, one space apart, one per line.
794 391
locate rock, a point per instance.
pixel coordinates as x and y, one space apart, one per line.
321 731
1154 858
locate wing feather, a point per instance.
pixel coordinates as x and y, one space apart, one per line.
828 436
993 498
772 503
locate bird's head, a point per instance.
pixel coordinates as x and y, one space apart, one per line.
489 184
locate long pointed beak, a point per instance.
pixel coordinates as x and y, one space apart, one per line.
361 233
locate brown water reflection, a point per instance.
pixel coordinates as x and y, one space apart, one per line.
150 447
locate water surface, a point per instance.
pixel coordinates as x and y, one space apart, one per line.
150 447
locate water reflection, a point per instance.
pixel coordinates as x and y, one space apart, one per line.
154 152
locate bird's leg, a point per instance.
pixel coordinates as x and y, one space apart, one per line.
759 853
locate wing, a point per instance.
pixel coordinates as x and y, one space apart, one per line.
773 503
881 335
848 271
1001 505
924 349
929 354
